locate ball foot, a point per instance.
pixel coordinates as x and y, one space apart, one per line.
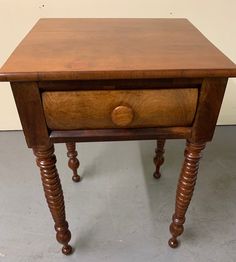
67 250
156 175
76 178
173 242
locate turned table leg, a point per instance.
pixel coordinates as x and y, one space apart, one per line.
73 161
46 161
185 189
159 157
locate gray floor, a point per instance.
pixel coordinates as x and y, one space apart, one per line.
119 212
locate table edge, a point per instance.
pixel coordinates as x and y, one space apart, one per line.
127 74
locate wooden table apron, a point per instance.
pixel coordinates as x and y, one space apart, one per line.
78 80
29 104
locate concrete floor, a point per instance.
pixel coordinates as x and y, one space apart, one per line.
119 212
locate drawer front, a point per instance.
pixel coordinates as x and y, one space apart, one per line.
119 108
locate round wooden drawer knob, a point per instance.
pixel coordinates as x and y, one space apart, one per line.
122 115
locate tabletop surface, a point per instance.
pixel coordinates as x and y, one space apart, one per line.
61 49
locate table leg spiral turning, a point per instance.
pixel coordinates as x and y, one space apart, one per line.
46 161
159 157
185 189
73 162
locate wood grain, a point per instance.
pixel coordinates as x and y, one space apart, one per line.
122 115
93 109
69 49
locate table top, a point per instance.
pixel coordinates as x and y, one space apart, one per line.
71 49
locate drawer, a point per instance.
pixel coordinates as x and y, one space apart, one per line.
68 110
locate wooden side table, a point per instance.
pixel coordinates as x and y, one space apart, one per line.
78 80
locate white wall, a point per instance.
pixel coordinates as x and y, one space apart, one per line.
214 18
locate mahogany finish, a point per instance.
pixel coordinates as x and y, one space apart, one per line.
77 80
185 189
119 134
159 157
120 84
69 49
210 100
73 162
46 161
30 110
